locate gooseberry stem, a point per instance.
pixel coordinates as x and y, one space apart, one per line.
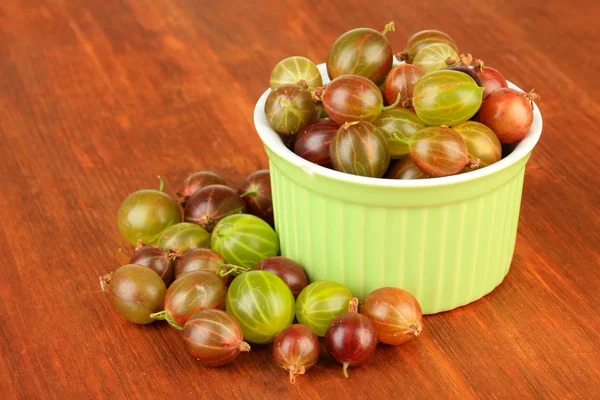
388 27
104 281
392 105
353 305
249 193
227 269
406 142
166 315
345 369
161 188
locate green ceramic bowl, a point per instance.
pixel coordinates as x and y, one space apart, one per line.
448 241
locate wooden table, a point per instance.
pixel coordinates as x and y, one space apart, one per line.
99 97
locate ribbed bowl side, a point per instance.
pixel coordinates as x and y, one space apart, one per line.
446 256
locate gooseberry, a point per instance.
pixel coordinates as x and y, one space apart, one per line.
319 303
351 338
135 292
213 337
156 259
296 350
262 303
421 39
482 143
435 56
287 270
184 236
401 81
211 204
359 148
397 123
256 193
351 98
244 240
145 214
201 260
438 151
490 78
195 182
509 113
296 71
446 98
313 142
191 292
363 52
289 108
396 315
469 71
405 168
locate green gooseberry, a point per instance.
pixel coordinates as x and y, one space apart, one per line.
320 303
182 237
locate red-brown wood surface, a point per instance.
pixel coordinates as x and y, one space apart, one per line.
99 97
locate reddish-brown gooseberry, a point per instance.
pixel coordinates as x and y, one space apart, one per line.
288 270
296 349
190 293
156 259
395 314
351 98
195 182
289 108
438 151
256 193
135 292
313 142
404 168
213 337
401 81
351 338
211 204
363 52
359 148
201 260
483 146
509 113
490 78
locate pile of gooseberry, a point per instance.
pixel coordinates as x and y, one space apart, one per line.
186 252
437 113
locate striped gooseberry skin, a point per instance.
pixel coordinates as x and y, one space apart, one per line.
211 204
195 182
288 109
361 51
446 98
469 71
183 237
201 260
320 303
262 303
395 314
482 143
313 142
404 169
435 57
358 148
293 70
401 80
296 350
256 193
438 151
213 337
424 38
287 270
192 292
135 292
401 123
156 259
351 98
244 240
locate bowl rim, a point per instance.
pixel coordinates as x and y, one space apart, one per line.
272 140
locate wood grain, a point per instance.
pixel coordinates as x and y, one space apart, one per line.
99 97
